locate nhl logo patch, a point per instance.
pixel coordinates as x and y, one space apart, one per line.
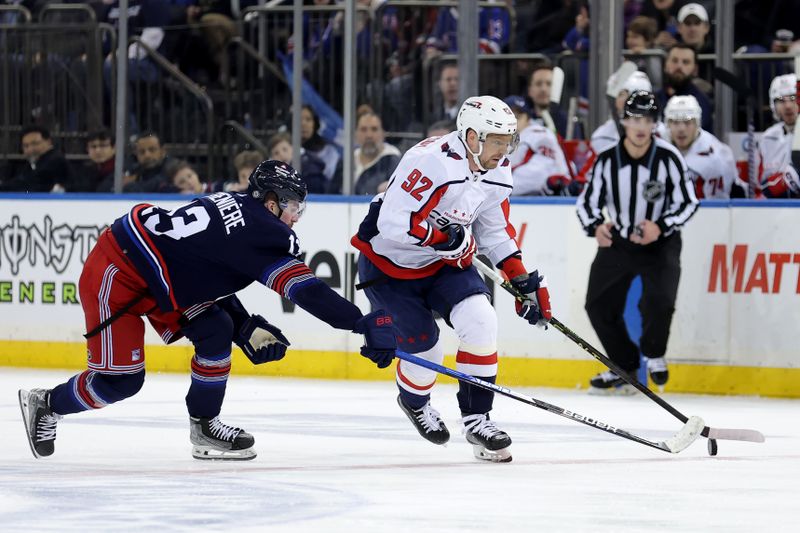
653 190
136 354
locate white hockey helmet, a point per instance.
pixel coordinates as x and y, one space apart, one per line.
680 108
638 81
781 86
486 115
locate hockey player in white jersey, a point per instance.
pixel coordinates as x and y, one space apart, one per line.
538 165
711 164
607 134
777 177
447 200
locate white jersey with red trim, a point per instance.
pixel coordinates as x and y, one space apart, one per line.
430 189
775 151
712 167
537 157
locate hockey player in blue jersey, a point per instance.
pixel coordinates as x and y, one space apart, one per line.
180 269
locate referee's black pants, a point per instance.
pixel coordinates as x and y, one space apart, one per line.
612 273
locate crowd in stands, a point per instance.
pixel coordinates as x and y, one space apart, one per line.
680 30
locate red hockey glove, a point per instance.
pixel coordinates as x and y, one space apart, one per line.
535 308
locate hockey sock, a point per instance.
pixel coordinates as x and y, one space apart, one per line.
209 378
473 400
414 401
93 390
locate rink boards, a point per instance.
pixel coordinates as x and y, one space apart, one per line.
732 332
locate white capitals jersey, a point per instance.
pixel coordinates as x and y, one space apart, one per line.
430 189
712 167
606 135
537 157
775 153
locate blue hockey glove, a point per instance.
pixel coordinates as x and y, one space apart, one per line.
535 308
459 248
380 342
260 341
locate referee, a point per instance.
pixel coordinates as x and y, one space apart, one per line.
643 183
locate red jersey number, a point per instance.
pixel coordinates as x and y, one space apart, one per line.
410 185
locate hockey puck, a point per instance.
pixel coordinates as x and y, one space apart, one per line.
712 447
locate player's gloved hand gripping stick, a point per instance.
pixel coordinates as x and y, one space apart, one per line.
749 435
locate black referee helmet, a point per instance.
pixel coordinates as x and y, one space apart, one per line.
641 104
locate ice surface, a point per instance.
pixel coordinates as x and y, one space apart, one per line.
341 456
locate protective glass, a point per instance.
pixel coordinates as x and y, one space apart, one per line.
493 143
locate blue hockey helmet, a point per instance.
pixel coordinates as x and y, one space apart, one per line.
279 178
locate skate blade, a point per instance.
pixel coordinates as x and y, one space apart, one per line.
208 453
622 390
493 456
24 407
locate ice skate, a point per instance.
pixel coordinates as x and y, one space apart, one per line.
427 421
657 368
40 421
212 439
489 443
610 384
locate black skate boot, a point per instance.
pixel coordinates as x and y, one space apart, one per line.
214 440
657 368
428 422
40 421
489 443
609 384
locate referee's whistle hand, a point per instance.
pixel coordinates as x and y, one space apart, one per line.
648 232
603 235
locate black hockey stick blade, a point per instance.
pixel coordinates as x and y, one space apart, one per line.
748 435
689 433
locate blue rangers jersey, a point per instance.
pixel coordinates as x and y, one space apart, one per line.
217 245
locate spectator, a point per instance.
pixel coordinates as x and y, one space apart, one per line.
146 20
44 170
215 20
244 163
639 39
663 12
494 26
694 28
97 174
186 180
374 160
577 38
279 148
680 70
548 113
149 172
317 146
778 178
448 104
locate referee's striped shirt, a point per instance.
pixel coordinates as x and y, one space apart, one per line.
660 176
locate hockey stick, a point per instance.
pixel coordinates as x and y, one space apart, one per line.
749 435
675 444
728 78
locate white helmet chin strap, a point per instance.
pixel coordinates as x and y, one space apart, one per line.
475 155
